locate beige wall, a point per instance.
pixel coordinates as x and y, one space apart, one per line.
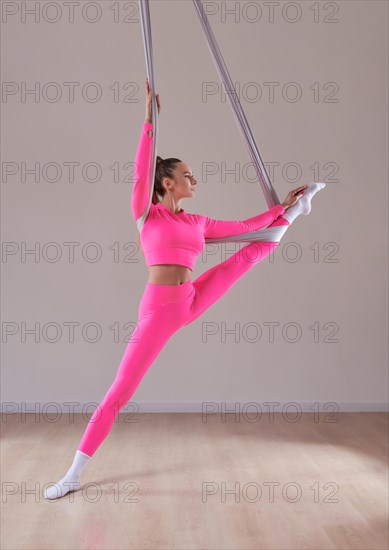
345 299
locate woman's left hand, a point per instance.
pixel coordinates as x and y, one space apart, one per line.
293 196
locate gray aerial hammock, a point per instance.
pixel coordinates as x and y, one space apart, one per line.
265 234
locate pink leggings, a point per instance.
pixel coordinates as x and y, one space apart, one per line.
164 309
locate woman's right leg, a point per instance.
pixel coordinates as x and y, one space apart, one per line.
211 285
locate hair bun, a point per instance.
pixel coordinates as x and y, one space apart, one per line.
159 160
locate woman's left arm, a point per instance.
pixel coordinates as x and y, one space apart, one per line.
224 228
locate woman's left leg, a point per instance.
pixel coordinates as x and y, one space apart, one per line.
216 281
163 309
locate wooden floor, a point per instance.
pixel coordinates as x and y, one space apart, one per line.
174 481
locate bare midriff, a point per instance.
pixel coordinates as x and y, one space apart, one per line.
169 274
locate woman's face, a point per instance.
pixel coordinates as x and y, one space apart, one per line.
184 183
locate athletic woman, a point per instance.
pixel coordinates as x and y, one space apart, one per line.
171 240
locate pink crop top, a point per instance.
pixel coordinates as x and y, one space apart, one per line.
178 238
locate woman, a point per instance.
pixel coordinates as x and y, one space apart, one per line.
171 240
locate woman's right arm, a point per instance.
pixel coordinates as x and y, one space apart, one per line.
142 187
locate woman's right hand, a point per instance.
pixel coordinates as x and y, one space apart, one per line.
149 103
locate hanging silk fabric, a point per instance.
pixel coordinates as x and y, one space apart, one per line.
264 234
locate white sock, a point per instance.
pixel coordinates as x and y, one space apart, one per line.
70 482
303 205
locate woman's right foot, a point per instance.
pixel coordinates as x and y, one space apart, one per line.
305 201
303 205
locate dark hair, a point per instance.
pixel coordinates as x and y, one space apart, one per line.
163 169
